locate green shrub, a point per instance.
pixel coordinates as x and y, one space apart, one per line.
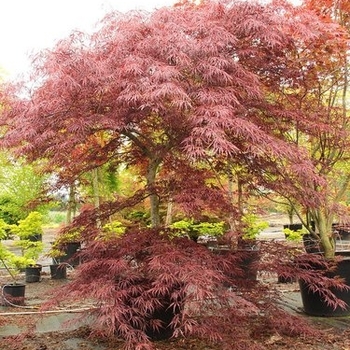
30 226
194 230
30 250
12 262
182 227
4 229
210 228
112 229
292 235
252 226
10 211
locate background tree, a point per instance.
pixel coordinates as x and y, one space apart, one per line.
311 82
20 188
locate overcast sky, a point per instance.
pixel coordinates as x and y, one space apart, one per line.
27 26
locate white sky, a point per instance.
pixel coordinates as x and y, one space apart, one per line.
28 26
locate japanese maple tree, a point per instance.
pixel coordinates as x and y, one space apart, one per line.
312 84
154 85
168 91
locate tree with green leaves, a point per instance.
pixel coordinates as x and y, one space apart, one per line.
20 187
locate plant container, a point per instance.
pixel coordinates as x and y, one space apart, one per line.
314 304
36 238
70 249
33 273
58 271
285 279
13 294
311 244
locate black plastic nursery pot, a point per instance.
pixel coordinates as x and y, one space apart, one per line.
33 273
13 294
285 279
165 313
58 271
70 249
314 304
248 257
293 227
36 238
342 231
311 244
164 310
248 262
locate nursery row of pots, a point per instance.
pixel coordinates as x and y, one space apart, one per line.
313 302
33 273
14 293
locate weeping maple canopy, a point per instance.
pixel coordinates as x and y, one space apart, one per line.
185 82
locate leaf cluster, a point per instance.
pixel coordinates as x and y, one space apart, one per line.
31 248
252 226
294 235
29 226
131 279
146 88
196 229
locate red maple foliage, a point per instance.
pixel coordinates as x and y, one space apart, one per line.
190 79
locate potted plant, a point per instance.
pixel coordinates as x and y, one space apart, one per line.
293 230
29 231
143 286
295 234
29 228
248 246
65 248
12 293
58 270
31 252
324 272
197 230
327 264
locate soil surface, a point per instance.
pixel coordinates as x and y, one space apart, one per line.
77 341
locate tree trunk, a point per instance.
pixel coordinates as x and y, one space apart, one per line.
154 199
231 197
169 213
95 187
323 223
96 192
290 211
72 204
240 200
